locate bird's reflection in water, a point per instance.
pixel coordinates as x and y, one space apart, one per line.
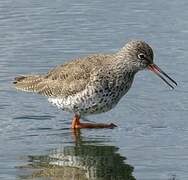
85 160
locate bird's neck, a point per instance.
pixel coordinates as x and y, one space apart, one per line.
121 62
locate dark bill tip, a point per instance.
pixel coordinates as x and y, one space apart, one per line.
154 68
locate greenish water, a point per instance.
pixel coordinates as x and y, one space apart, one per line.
151 140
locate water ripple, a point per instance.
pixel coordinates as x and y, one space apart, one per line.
34 117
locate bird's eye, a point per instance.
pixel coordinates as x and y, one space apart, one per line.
141 56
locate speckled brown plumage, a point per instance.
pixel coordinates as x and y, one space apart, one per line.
93 84
63 80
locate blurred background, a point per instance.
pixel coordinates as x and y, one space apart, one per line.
151 140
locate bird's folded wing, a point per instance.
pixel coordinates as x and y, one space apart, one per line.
62 81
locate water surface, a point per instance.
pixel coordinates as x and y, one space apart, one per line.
151 140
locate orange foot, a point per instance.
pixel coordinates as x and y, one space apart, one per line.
76 124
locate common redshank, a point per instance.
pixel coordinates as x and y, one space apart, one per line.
93 84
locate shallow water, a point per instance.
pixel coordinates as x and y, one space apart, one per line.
151 140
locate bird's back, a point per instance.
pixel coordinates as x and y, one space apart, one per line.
64 80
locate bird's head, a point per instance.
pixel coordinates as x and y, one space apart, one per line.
138 55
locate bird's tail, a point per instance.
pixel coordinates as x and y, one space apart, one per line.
29 83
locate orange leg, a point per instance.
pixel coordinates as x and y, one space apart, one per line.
76 124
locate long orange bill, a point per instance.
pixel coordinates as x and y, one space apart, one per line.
154 68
